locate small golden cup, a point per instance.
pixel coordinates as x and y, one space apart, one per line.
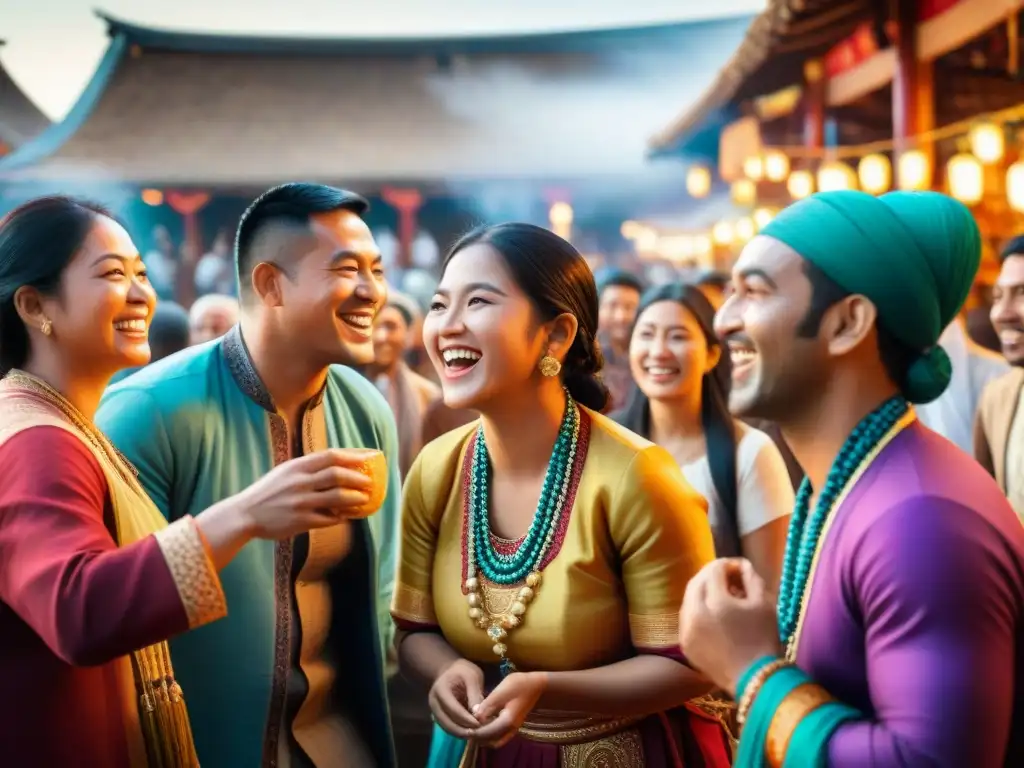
371 463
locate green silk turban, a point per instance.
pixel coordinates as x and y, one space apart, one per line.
913 254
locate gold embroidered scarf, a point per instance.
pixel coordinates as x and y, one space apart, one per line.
159 734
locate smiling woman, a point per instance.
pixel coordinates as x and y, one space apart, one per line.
545 549
103 327
680 401
94 578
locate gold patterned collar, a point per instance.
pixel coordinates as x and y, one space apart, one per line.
239 361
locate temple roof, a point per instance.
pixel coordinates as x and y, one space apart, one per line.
20 118
770 57
966 41
187 109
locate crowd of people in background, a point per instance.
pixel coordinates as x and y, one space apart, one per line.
204 466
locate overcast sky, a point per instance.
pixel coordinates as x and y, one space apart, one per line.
53 46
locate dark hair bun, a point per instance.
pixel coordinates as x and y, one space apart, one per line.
582 368
587 389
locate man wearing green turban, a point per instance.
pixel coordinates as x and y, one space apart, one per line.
896 637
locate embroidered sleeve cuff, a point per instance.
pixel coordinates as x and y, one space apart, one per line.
798 704
412 609
654 632
192 570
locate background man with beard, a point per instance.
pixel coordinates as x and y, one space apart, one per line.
896 636
999 427
294 675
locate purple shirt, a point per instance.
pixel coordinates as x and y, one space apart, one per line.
915 614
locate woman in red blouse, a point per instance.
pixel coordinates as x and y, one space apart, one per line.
93 580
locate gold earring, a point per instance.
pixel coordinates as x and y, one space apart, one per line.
46 327
549 366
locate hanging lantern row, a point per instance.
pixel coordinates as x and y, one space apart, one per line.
985 145
687 247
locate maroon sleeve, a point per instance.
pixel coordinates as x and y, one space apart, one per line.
62 572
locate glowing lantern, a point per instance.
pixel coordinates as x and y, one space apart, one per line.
745 229
702 245
987 142
675 247
776 165
753 167
966 178
1015 186
743 192
875 174
561 216
698 181
722 233
630 230
834 175
762 216
800 184
646 240
914 171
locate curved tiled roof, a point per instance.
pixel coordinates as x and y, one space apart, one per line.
20 119
574 41
770 57
195 109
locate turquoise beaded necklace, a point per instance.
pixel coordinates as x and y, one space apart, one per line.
523 564
806 529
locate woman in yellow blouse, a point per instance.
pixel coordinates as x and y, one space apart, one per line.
545 550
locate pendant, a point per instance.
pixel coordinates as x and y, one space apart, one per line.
506 667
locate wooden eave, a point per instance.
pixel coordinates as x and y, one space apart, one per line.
771 57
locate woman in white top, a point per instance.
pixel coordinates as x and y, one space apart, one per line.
680 402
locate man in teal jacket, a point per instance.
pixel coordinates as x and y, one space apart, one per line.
294 675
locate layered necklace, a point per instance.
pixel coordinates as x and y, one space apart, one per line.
523 564
806 528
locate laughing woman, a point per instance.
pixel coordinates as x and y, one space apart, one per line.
93 580
681 402
545 550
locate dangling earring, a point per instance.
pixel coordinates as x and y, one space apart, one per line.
549 366
46 327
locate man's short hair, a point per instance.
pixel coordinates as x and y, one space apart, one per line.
168 330
289 204
714 279
1013 248
406 306
612 276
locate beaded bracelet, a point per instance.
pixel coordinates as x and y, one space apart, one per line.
756 681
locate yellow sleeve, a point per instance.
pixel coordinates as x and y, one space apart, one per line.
660 527
412 605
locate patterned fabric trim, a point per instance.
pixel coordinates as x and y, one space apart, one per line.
504 545
411 606
192 570
236 354
654 631
284 551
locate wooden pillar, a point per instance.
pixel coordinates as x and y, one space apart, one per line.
913 85
188 205
407 202
815 95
